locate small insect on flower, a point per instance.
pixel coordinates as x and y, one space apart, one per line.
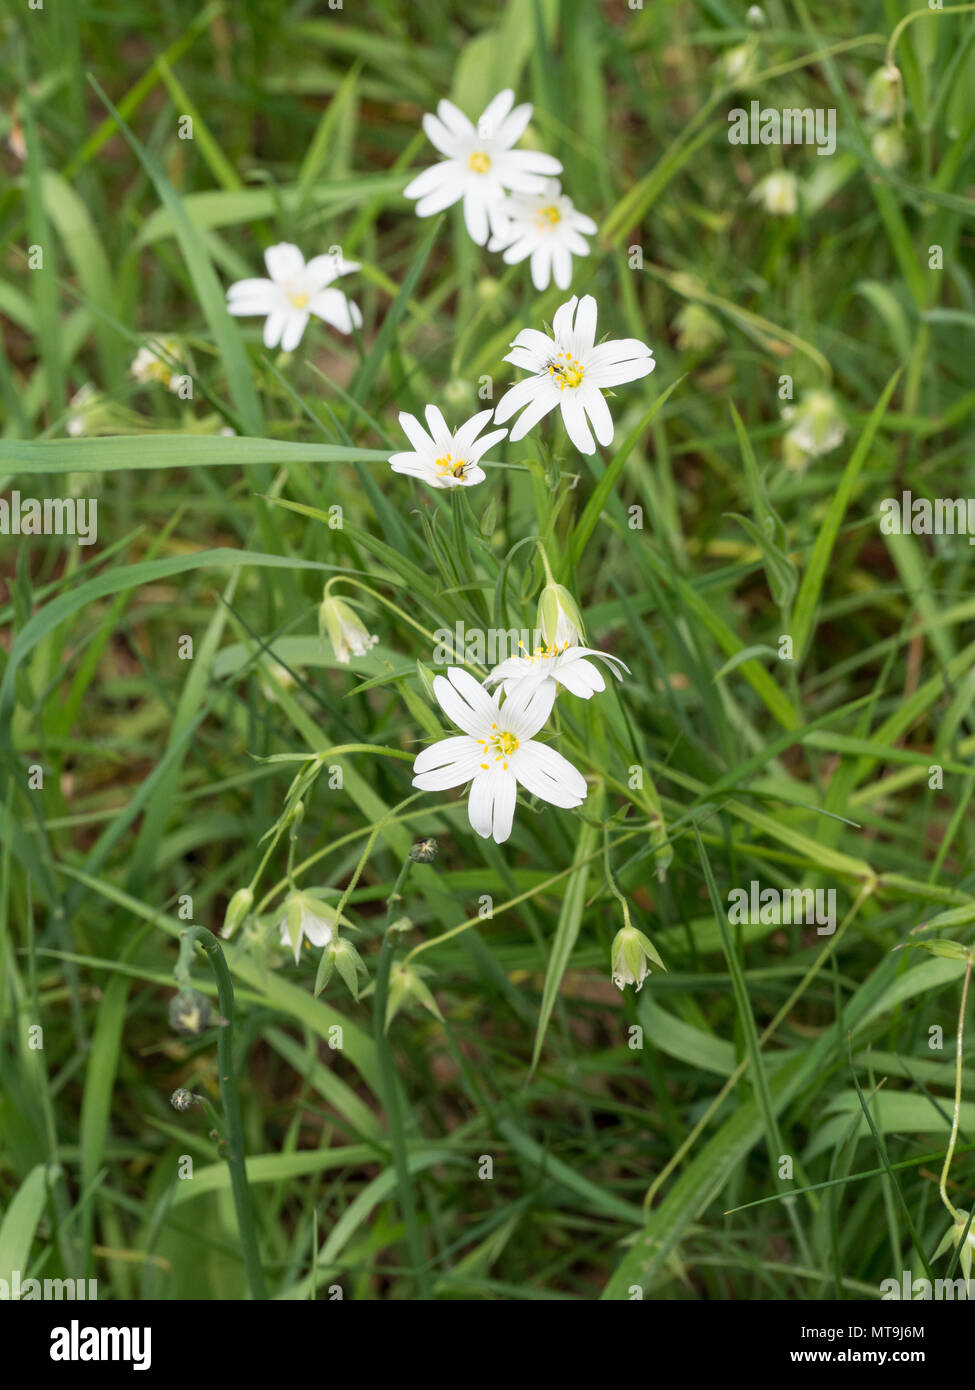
295 291
445 458
571 371
496 753
546 227
480 164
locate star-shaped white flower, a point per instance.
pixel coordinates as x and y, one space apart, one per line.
294 292
565 665
445 458
480 164
571 371
496 752
546 227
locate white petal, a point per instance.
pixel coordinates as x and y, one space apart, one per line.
415 433
437 426
274 327
494 114
580 678
545 773
449 192
546 398
478 450
598 412
620 372
426 182
585 324
514 398
562 322
440 135
465 703
294 327
574 419
449 763
454 119
284 262
542 268
526 709
513 127
464 436
476 217
491 804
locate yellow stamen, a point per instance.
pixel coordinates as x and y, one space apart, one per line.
447 465
566 370
479 162
299 300
504 745
547 218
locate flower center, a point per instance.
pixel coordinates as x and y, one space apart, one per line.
566 370
547 218
448 467
479 162
546 652
298 299
502 744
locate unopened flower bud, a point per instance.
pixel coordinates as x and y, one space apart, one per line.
237 909
559 617
631 956
347 632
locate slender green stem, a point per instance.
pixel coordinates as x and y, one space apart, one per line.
959 1050
229 1096
390 1090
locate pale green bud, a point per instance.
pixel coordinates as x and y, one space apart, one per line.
882 90
631 956
237 909
559 617
697 329
889 147
347 632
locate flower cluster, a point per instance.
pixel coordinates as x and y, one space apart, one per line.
511 202
568 370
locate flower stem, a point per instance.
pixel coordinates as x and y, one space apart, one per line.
390 1091
959 1046
229 1096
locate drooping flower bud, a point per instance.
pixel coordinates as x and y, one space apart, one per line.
237 909
347 632
631 955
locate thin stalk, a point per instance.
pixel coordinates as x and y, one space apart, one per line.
959 1048
229 1097
390 1091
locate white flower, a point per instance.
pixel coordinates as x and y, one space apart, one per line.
294 291
496 753
571 371
303 917
480 165
445 458
347 632
817 426
565 665
778 193
153 363
546 227
82 403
